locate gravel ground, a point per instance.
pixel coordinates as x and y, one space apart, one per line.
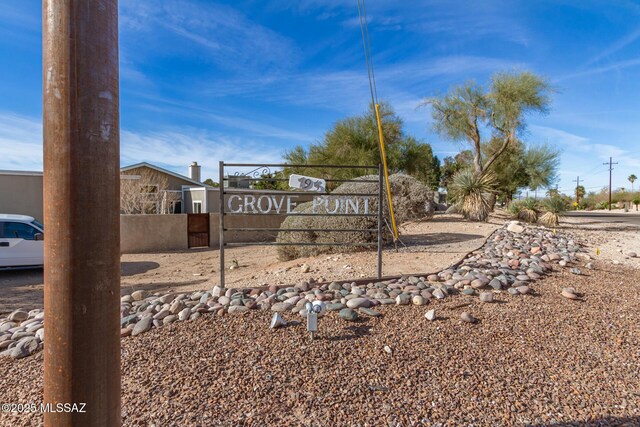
530 360
436 245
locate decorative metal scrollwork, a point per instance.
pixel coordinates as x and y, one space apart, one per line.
256 173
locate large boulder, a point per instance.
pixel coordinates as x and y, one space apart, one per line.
412 200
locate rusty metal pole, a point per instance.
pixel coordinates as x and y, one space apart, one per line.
81 211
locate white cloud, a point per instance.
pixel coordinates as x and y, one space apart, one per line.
349 89
230 38
20 142
615 47
554 136
616 66
175 149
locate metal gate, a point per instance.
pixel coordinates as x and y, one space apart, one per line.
262 173
198 230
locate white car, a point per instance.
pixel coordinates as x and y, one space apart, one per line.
21 241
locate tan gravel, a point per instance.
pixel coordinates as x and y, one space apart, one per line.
530 360
611 242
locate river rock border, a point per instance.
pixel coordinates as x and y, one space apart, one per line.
511 260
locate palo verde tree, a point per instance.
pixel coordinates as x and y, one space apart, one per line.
468 111
354 141
541 166
462 114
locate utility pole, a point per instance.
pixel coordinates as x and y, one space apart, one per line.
610 176
81 131
577 181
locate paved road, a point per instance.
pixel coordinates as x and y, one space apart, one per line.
628 218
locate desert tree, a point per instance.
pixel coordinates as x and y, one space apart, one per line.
541 166
467 110
461 115
632 178
354 141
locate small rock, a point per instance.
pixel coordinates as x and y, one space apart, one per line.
467 317
569 293
125 332
370 312
576 270
18 316
387 349
430 315
495 284
403 299
334 307
305 268
281 306
515 227
486 296
418 300
632 254
523 290
169 319
142 326
184 314
348 314
139 295
438 294
238 309
359 303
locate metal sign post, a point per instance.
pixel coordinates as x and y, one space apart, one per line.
81 212
342 207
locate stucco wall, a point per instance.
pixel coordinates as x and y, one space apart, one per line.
152 233
156 233
21 194
246 221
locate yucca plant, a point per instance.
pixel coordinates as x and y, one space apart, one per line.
529 210
471 193
514 208
554 208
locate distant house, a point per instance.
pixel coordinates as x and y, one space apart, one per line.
148 188
21 191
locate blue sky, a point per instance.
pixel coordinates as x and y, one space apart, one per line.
243 81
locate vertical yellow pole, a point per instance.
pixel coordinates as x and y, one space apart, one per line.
386 174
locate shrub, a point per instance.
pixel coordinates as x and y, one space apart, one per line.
602 205
514 208
529 210
472 194
553 208
411 201
636 202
